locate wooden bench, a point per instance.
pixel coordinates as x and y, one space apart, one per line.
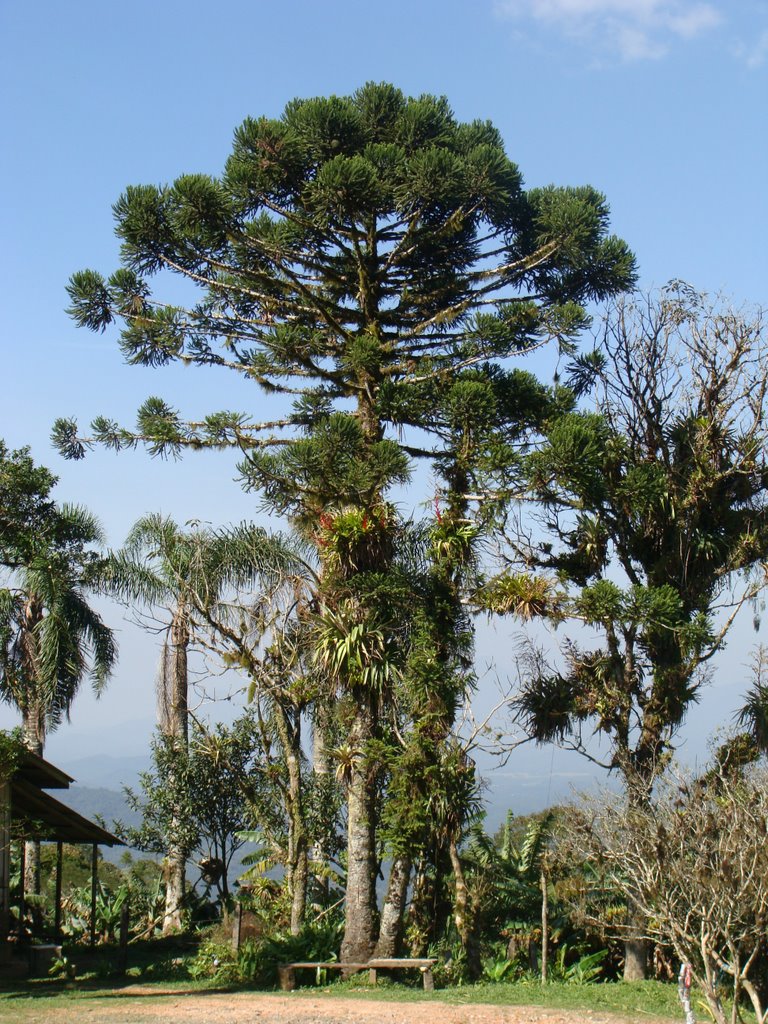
286 973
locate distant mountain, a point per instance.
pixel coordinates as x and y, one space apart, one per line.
98 803
101 771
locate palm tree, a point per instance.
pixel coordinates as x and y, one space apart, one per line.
50 637
189 573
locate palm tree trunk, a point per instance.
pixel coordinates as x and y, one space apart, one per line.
33 728
174 723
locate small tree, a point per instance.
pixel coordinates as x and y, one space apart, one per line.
694 860
26 508
188 573
654 510
196 800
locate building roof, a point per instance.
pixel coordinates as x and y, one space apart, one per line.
42 773
40 816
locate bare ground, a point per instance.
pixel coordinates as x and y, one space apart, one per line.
134 1005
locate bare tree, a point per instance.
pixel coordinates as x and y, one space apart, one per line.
694 861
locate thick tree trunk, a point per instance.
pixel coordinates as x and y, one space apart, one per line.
420 917
463 913
391 926
636 946
299 879
175 882
635 958
173 698
360 920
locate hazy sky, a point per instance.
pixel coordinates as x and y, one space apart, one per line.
659 104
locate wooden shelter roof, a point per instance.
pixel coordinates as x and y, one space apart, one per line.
42 773
42 817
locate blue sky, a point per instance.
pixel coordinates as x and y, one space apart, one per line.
658 103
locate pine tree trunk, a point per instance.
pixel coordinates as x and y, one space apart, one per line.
391 926
359 925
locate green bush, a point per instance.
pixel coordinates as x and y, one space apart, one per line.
256 961
218 961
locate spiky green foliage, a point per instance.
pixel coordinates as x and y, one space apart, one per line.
753 715
365 248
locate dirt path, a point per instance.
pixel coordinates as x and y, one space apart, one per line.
133 1005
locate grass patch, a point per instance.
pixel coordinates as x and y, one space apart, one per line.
646 997
650 999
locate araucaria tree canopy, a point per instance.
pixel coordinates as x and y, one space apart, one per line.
376 261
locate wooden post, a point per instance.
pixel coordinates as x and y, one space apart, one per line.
125 919
286 977
5 861
544 921
237 925
23 871
94 884
57 897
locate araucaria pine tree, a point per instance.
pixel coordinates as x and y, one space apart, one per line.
359 254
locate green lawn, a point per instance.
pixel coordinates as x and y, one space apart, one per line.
25 1001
